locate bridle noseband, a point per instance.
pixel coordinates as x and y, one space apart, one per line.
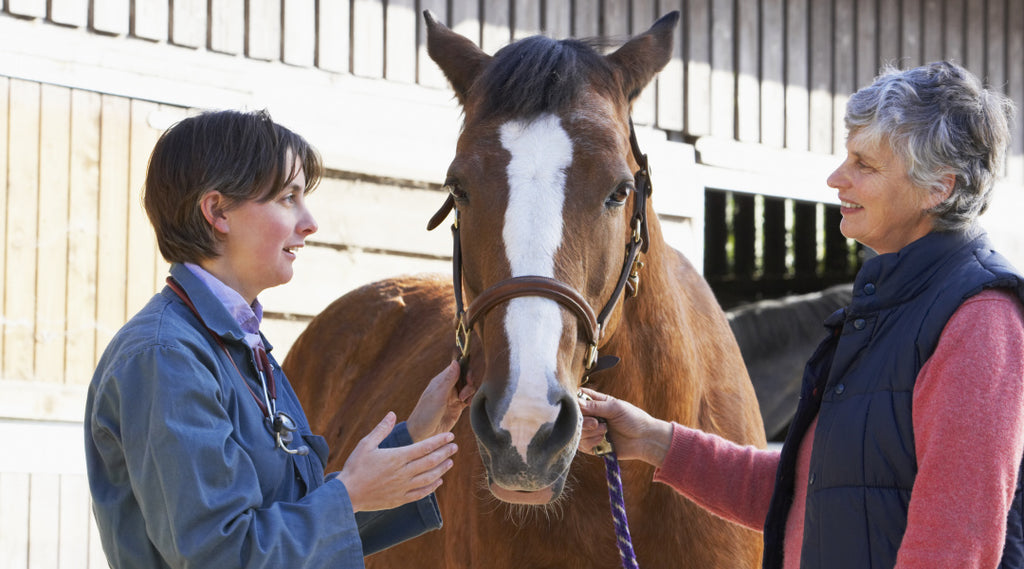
568 297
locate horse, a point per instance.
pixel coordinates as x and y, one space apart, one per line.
551 220
776 336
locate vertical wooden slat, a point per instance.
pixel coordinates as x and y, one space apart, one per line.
188 23
74 521
932 28
430 75
557 19
1015 90
615 19
227 26
82 230
642 14
821 118
97 559
837 249
400 41
44 516
774 243
497 25
797 75
911 49
748 46
527 18
368 38
723 73
773 94
333 34
113 220
23 200
299 46
51 287
867 44
150 19
889 33
29 8
263 40
698 67
974 36
14 523
586 19
953 31
70 12
142 248
805 242
844 69
110 16
995 45
5 114
743 236
669 85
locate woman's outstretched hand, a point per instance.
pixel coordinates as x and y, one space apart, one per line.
440 406
384 478
633 433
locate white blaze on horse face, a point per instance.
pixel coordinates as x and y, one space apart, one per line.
541 152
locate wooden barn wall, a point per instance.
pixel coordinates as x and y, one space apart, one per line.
751 102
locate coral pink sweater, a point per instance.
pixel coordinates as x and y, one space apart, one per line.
968 417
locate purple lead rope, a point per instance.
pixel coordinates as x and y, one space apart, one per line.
622 537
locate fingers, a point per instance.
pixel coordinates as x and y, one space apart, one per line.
380 432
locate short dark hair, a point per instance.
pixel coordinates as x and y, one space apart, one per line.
242 155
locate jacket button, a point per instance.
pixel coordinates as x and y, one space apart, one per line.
810 479
840 389
869 288
859 324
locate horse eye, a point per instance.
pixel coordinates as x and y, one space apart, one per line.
620 195
453 188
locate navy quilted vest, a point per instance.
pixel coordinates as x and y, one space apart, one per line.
860 383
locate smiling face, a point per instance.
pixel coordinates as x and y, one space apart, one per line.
258 241
882 209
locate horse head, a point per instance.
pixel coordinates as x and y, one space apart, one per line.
544 184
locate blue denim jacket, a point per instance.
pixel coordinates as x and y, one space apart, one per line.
182 463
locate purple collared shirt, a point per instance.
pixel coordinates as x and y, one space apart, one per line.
247 316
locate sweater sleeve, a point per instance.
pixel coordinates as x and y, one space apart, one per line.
969 434
729 480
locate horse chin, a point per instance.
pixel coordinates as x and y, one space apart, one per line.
540 497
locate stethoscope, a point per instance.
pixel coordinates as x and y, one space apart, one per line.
282 425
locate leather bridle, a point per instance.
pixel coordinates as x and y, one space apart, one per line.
592 323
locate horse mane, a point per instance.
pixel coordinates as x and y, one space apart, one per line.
540 74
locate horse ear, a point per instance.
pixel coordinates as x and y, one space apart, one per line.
639 59
458 57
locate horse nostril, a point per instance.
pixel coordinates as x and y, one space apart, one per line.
567 422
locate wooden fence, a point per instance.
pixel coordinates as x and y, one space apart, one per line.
742 127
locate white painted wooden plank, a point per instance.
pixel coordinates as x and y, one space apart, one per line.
227 26
867 52
188 23
110 16
527 18
773 80
14 523
83 202
264 41
995 45
586 19
1015 90
70 12
497 25
974 37
141 244
820 118
723 69
368 38
889 33
669 86
23 438
43 518
844 70
912 45
748 104
698 67
5 88
111 263
797 76
400 41
52 252
932 30
151 19
29 8
97 559
953 31
558 19
299 32
74 521
22 230
333 36
645 107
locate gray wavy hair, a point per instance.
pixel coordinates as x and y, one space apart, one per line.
940 120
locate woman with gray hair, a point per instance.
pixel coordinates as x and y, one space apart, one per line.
906 448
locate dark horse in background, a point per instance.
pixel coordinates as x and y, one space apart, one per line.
546 197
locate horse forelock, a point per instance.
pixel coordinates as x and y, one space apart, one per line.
540 74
